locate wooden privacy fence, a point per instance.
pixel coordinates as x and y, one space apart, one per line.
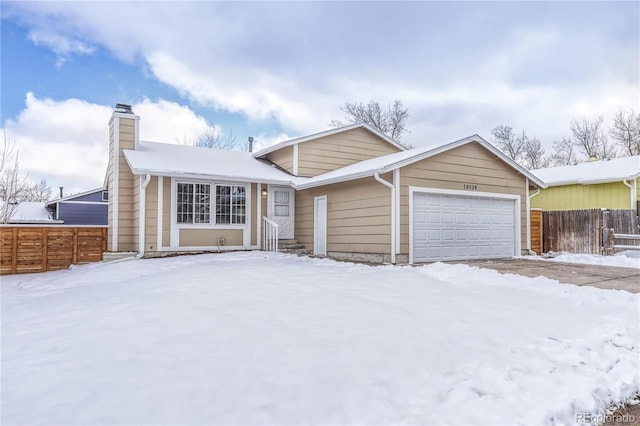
585 231
535 219
30 248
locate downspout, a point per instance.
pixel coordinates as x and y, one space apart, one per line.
534 194
393 215
142 214
632 191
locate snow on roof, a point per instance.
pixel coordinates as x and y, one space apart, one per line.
328 133
194 162
188 161
72 196
393 161
31 212
591 172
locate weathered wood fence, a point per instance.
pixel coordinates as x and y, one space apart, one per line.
30 248
535 218
585 231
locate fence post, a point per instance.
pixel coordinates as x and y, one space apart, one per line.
14 251
74 258
604 234
104 239
45 248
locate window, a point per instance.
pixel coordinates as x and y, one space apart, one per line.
281 203
194 203
105 195
231 204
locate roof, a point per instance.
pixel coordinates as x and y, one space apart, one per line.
399 159
237 166
71 197
31 212
329 133
195 162
592 172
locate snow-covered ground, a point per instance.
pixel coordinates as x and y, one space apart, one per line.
271 339
625 259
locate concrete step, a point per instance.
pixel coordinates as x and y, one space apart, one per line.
299 251
290 246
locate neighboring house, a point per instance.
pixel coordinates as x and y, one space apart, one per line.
30 212
85 208
611 184
349 192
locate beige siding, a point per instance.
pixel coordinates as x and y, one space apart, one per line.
282 158
151 215
128 188
110 183
166 212
255 199
358 216
468 164
333 152
210 237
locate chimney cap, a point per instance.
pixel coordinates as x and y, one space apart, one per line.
124 108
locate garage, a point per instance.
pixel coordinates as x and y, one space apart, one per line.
457 225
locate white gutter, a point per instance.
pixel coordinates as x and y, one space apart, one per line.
632 192
393 215
142 213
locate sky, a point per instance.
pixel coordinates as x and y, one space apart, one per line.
278 70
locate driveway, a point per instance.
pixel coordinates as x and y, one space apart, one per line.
607 277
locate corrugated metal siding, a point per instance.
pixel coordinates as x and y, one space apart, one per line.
578 197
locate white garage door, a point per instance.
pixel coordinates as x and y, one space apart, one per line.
457 227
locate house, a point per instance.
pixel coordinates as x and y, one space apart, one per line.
85 208
611 184
349 192
28 212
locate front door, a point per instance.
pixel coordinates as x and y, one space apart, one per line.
281 205
320 226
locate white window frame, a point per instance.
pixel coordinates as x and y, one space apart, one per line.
105 192
212 195
192 223
215 205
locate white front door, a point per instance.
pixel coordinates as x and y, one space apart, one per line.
281 209
320 226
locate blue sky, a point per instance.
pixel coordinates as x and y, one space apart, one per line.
275 70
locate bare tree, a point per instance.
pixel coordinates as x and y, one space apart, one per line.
214 138
39 191
391 122
534 155
564 153
626 131
508 142
13 188
526 151
591 139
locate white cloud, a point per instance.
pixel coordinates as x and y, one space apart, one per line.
66 141
460 69
63 46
